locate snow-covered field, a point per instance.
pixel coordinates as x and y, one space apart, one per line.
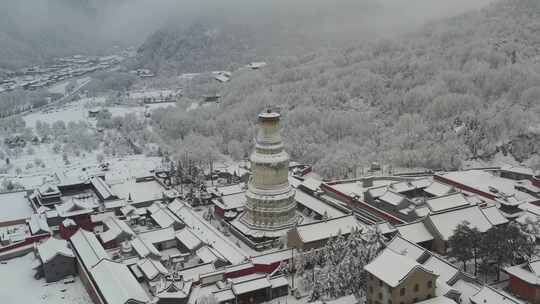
17 285
78 110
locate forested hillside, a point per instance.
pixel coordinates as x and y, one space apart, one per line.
461 88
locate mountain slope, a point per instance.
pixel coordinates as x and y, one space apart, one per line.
461 88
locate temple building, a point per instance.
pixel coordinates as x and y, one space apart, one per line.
270 209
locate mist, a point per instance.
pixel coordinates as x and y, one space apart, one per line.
40 29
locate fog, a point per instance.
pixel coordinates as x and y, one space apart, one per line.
49 26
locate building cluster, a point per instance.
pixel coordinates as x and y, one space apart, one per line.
60 69
144 241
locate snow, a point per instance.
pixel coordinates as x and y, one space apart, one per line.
446 202
21 287
316 205
415 232
152 268
494 216
392 268
392 198
38 224
440 267
59 88
188 238
467 290
53 247
14 206
251 285
445 223
402 246
88 248
158 235
193 273
438 189
483 181
210 235
117 284
327 228
492 296
115 228
144 249
140 191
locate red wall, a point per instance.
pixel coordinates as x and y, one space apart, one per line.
27 241
360 204
522 288
240 273
463 187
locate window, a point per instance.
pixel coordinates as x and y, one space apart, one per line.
380 283
389 301
402 292
370 289
429 284
416 287
380 295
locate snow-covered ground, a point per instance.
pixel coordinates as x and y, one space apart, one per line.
78 111
19 286
59 88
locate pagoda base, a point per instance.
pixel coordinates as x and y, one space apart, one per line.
260 238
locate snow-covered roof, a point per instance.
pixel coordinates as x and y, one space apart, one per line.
162 216
14 206
312 183
116 228
53 247
528 272
224 295
75 206
152 268
446 202
324 229
415 232
251 285
38 224
188 238
486 182
493 296
101 217
316 205
494 216
231 201
439 189
88 247
103 190
466 288
445 270
273 257
144 248
193 273
210 235
392 198
279 281
207 254
144 191
409 185
446 222
158 235
404 247
116 283
227 190
392 268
